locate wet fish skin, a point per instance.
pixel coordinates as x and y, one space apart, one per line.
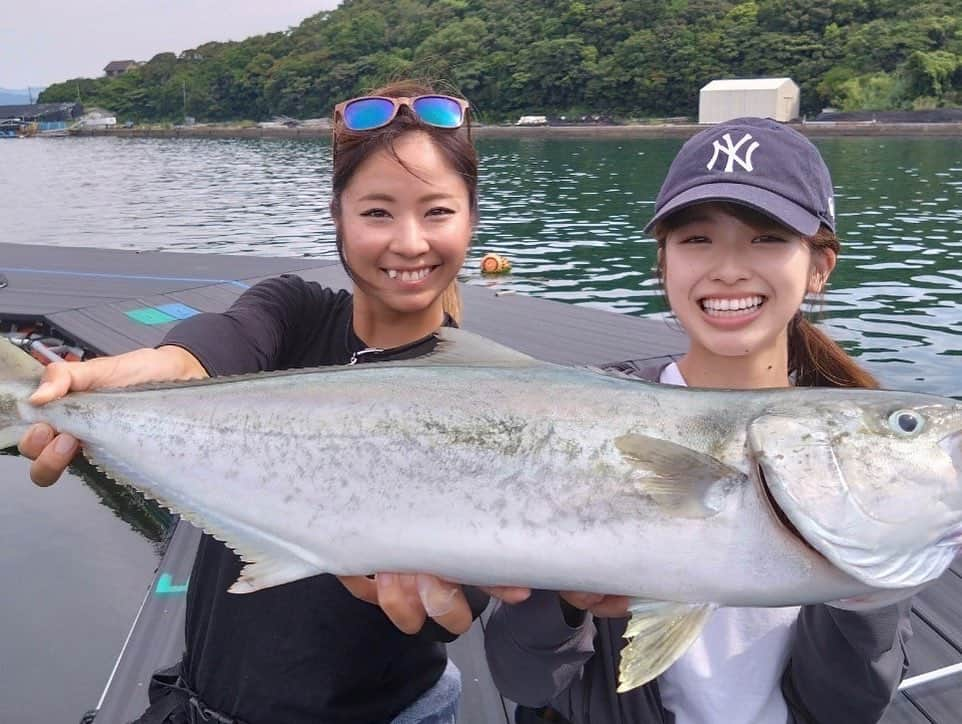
561 478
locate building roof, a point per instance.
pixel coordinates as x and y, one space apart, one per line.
118 65
36 110
728 84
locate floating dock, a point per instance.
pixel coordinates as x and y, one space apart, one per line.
111 301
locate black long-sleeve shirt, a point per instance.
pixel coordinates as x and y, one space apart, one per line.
308 651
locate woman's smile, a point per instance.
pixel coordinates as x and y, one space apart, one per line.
410 276
728 312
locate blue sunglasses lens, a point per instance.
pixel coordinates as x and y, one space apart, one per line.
439 111
368 113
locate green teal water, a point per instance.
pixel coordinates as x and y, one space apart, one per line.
568 214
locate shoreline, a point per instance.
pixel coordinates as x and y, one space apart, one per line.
815 129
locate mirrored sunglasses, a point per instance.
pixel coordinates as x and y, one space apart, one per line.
370 112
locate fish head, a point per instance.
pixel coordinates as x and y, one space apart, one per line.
871 480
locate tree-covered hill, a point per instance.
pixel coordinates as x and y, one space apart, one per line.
624 58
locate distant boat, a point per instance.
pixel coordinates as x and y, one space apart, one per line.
11 128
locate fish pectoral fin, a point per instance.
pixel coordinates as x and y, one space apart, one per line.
658 633
689 483
269 572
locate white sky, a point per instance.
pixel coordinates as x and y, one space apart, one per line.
47 41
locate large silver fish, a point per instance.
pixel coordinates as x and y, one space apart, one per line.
486 466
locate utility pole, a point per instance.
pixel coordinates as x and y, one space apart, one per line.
184 86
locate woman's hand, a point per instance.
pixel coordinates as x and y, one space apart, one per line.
598 604
408 599
50 451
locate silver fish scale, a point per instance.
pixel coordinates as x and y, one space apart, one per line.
484 474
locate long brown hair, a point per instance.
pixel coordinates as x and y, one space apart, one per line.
814 358
352 148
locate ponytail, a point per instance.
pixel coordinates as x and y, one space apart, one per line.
816 360
451 302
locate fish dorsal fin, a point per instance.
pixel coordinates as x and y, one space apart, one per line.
658 633
458 347
455 348
689 483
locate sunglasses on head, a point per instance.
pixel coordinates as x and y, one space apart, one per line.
370 112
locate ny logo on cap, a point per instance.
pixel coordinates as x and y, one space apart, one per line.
732 151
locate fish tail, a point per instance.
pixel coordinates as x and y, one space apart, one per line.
19 375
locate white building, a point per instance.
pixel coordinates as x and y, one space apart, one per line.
722 100
532 121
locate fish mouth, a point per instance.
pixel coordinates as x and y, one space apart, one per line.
777 511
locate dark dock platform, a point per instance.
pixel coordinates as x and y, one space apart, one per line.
109 302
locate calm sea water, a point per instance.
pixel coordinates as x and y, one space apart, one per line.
569 214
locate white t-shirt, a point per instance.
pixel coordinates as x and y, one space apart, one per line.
732 673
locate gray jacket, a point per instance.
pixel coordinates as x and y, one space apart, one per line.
843 666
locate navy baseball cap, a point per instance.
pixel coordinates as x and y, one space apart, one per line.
756 162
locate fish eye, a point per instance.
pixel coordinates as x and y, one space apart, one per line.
906 422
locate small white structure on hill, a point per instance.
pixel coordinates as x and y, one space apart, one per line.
532 121
722 100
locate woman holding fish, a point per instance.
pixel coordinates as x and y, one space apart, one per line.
405 205
745 225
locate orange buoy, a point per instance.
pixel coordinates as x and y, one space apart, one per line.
494 264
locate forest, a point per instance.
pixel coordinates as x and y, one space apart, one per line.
620 59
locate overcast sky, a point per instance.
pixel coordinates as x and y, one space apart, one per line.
47 41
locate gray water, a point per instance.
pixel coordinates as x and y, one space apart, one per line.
569 215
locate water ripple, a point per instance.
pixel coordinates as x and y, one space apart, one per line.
569 214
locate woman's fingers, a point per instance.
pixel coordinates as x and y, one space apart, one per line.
360 587
35 439
508 594
611 607
397 594
58 379
582 600
51 452
408 599
598 604
445 603
53 460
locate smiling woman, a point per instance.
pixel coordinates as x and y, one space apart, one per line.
404 204
405 188
403 221
740 245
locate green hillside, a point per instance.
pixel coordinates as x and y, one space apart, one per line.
627 59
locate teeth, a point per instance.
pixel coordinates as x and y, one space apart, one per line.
409 275
731 305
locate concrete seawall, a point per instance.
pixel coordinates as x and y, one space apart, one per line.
813 129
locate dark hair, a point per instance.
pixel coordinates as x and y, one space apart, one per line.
814 358
351 148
